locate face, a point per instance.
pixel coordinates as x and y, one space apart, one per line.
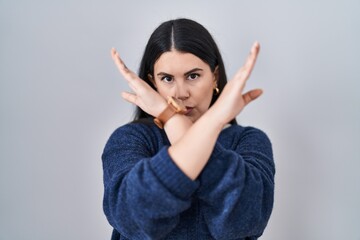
187 78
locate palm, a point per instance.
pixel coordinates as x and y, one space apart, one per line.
143 95
232 100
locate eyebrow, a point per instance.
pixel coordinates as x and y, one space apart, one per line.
188 72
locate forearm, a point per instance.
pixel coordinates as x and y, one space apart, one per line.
176 127
242 176
192 151
134 208
245 189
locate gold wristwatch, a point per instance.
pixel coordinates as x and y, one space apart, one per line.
174 106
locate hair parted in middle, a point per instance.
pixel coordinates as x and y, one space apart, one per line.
183 35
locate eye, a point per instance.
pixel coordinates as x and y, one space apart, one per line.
167 79
193 76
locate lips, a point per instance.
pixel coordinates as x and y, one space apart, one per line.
188 110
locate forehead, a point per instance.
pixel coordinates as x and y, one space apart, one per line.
179 62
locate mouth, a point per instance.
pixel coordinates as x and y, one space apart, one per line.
188 110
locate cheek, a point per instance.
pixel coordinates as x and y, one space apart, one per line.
209 98
205 98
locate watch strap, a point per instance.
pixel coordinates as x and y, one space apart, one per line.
165 116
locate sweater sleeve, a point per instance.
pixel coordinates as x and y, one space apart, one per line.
237 187
144 190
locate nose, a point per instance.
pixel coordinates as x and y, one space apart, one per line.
182 91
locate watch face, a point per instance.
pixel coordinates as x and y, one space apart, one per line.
177 104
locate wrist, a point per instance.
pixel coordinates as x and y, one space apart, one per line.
212 117
176 127
160 108
173 107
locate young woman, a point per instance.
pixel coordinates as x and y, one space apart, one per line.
184 169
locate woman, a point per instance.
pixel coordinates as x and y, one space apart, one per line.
184 169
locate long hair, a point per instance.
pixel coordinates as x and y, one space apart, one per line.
183 35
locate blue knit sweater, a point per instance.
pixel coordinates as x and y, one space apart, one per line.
148 197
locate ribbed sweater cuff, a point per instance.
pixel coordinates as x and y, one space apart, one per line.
171 176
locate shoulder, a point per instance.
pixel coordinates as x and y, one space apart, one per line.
247 137
244 131
135 130
141 134
248 131
240 129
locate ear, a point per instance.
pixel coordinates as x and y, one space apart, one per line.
151 79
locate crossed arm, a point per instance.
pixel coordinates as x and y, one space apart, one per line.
193 143
145 194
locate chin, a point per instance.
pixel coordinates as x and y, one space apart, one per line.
193 118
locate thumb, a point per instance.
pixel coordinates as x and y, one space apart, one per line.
130 97
252 95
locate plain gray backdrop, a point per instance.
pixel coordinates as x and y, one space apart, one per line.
60 101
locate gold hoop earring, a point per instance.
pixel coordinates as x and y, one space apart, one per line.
150 77
217 91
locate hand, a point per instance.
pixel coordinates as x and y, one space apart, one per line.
232 101
144 96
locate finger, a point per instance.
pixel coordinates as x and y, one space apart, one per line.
252 95
127 73
130 97
134 81
116 57
117 60
133 87
250 62
244 72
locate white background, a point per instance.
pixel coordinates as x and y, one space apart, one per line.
60 101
